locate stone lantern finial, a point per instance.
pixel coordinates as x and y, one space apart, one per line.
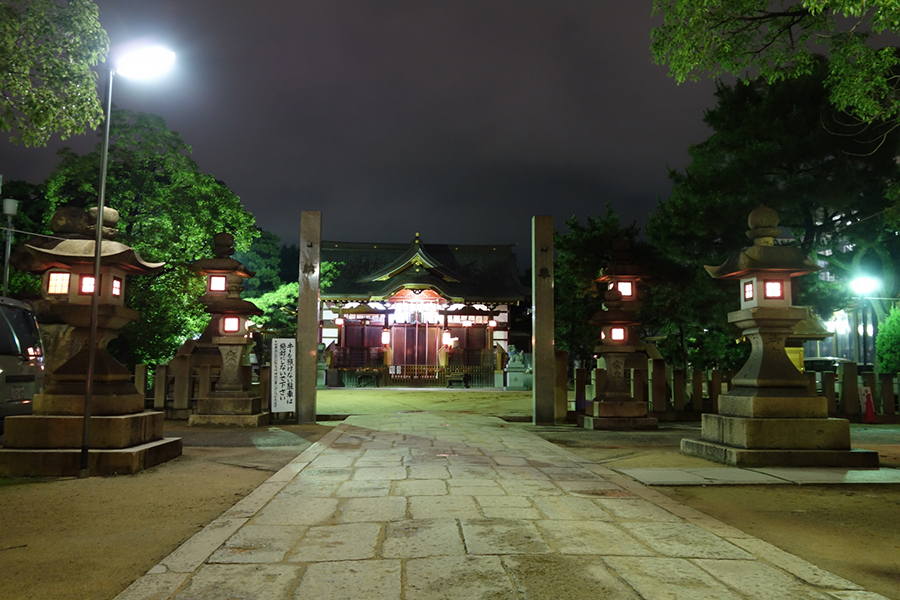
763 222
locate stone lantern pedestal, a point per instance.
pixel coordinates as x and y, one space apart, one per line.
770 418
124 438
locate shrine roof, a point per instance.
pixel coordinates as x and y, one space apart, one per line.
462 273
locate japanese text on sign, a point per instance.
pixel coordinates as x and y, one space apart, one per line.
284 364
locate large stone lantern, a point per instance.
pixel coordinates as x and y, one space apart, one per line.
615 407
770 417
124 437
231 402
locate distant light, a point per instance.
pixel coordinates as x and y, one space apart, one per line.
385 336
339 321
492 323
146 63
863 286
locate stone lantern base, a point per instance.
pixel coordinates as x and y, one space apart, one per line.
230 404
615 409
124 438
783 428
771 419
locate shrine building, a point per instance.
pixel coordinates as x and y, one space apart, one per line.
418 314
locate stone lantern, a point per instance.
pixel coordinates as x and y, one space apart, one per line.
770 417
124 437
231 402
615 406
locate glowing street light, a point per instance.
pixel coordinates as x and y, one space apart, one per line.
865 285
144 63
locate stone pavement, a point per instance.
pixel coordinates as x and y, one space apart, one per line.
418 506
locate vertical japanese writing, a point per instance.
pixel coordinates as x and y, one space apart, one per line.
283 375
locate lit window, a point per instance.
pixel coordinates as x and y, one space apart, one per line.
117 286
231 324
617 334
58 283
748 291
626 288
87 284
774 290
218 283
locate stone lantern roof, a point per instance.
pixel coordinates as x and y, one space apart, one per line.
79 230
764 255
614 313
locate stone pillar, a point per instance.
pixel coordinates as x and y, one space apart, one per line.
542 319
308 315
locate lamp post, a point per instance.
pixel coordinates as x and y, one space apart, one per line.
10 207
144 63
864 286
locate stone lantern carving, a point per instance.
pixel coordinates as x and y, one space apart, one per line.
231 402
124 437
770 417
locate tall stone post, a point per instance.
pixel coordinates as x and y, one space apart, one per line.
544 359
308 314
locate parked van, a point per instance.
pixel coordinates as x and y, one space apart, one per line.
21 358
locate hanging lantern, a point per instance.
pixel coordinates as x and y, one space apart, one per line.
385 336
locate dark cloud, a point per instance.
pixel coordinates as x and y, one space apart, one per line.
457 119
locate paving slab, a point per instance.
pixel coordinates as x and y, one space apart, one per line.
458 506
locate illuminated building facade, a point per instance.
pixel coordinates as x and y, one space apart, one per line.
402 307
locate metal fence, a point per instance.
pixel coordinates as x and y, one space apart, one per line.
422 376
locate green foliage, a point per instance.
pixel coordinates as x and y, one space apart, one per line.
773 41
169 212
47 49
784 145
580 254
887 344
264 258
280 306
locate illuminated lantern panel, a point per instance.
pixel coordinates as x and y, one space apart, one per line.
774 290
218 283
626 288
446 339
385 336
58 283
231 324
617 334
117 287
748 291
87 284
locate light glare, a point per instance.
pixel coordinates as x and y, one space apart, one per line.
146 63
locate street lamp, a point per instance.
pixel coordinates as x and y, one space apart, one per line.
864 286
10 207
144 63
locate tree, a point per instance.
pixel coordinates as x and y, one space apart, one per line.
264 259
784 145
47 49
887 344
280 306
169 212
773 41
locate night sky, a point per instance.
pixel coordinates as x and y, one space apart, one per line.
459 119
